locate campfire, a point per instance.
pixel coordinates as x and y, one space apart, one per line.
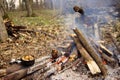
95 56
38 51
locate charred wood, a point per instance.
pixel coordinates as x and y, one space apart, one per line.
11 29
16 67
78 9
25 71
71 65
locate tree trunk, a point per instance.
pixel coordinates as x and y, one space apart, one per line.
12 5
2 8
3 32
20 5
5 4
37 2
29 7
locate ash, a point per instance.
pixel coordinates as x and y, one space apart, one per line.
79 72
70 75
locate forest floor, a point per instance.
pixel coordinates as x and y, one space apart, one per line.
38 44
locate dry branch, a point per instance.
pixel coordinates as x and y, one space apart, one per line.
105 50
107 58
71 65
34 31
114 41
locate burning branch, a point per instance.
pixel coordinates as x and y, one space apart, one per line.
90 62
91 51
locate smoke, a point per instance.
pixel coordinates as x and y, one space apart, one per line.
97 13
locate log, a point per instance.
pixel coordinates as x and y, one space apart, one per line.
90 62
91 51
16 75
26 71
16 67
13 68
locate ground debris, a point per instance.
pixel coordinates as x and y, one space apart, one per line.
37 44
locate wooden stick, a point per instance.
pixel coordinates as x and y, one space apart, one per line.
71 65
101 51
102 47
90 62
107 58
105 50
113 40
91 51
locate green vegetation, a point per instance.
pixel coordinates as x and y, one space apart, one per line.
44 17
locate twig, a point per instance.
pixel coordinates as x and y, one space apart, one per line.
114 42
71 65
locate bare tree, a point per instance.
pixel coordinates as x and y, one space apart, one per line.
12 5
48 4
28 4
42 3
22 5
